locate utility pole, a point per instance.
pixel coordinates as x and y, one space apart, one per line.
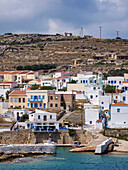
100 31
117 33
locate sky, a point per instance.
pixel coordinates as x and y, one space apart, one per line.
57 16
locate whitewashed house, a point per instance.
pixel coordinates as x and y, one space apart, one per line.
93 93
105 102
42 121
115 81
88 78
61 82
114 97
48 82
119 116
61 74
92 114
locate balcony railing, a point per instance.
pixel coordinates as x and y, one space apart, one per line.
35 100
44 121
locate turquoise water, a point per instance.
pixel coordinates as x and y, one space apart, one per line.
70 161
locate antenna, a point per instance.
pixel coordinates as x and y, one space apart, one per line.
117 33
81 31
100 31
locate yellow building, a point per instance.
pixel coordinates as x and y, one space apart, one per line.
18 99
38 98
125 77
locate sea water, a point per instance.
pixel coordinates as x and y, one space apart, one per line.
66 160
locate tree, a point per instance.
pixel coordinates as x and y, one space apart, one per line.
110 89
19 67
24 118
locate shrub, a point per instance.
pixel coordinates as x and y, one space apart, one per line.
72 132
24 118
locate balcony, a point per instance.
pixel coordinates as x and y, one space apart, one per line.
35 100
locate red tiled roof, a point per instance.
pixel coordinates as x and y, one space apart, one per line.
18 92
15 72
31 73
120 104
24 72
27 79
112 93
77 91
5 72
99 121
63 77
125 81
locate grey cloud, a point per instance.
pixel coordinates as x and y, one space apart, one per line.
51 16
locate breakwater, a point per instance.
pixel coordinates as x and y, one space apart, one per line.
9 152
43 149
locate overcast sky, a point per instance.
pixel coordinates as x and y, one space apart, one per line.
57 16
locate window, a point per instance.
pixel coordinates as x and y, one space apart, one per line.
31 96
23 100
19 100
119 82
15 100
58 80
118 110
114 82
96 95
116 97
91 97
90 122
50 116
56 105
44 105
102 102
83 81
38 116
51 97
108 82
86 81
51 105
11 100
94 88
40 104
94 81
56 97
28 104
43 97
39 97
123 98
102 108
45 118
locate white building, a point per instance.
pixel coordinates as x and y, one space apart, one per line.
93 93
114 97
115 81
42 121
88 78
92 114
47 82
105 102
61 74
61 82
119 116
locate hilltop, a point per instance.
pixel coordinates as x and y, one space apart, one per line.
89 53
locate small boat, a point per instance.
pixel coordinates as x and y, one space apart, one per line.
76 144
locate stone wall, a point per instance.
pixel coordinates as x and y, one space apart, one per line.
30 137
115 132
45 149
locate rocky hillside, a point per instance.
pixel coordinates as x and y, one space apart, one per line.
29 49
